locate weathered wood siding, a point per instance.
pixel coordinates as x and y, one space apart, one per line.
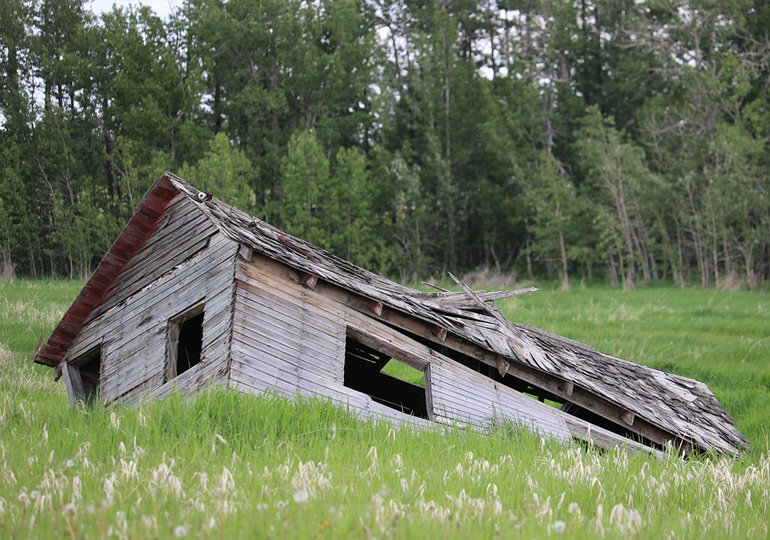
461 395
291 340
185 262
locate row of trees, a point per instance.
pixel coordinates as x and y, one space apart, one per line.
601 138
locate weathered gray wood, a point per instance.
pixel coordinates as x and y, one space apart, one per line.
293 357
606 439
174 293
364 328
355 402
73 382
461 394
278 311
283 343
162 252
134 352
451 396
245 252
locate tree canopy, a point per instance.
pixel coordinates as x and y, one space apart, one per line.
610 139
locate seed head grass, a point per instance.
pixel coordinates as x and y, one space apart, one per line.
225 464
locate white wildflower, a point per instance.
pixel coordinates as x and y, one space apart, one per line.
559 527
261 507
180 531
68 509
34 495
220 438
398 462
300 496
573 508
76 485
497 507
69 463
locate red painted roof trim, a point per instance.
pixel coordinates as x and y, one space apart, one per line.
133 237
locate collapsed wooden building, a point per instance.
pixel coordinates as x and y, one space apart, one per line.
194 293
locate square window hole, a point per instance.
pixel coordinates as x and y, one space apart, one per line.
386 380
185 342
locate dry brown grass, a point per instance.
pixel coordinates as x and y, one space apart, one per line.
487 278
731 282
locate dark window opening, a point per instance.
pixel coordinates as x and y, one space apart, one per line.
85 372
386 380
185 342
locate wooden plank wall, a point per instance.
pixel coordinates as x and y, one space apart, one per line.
176 239
168 276
291 340
462 395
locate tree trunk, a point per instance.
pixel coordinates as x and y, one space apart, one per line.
563 274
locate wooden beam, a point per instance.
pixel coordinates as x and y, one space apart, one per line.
73 382
414 359
308 280
627 417
245 252
502 365
376 307
439 332
567 387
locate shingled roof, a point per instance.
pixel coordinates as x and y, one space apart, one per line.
650 399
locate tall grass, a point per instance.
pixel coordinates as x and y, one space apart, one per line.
231 465
721 338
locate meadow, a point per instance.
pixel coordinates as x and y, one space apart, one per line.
228 465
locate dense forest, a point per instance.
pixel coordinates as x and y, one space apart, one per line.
625 140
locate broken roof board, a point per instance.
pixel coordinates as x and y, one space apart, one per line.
657 405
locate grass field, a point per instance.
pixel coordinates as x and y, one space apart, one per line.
228 465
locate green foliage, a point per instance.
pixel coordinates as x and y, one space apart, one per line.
306 190
227 172
551 199
354 223
655 113
84 231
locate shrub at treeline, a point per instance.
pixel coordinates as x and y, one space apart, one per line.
613 139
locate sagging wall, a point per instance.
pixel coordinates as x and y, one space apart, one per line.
292 339
186 263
